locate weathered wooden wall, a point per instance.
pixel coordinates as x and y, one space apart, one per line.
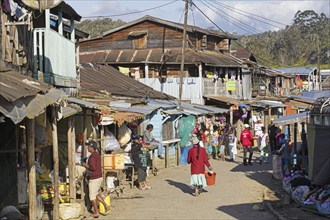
158 36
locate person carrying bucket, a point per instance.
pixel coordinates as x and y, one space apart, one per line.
197 158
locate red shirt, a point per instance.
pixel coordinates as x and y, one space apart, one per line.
94 166
198 166
246 137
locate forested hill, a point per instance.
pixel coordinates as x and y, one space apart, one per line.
296 45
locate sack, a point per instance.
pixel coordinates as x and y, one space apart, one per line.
277 167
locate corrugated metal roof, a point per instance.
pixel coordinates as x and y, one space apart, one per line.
211 109
224 99
67 11
107 78
14 85
159 55
70 110
298 70
83 103
290 119
273 104
22 96
145 110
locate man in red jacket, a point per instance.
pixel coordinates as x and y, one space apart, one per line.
94 177
246 140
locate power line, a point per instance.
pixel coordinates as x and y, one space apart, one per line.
229 36
237 24
134 12
239 11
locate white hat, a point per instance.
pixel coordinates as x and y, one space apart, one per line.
246 125
195 140
272 119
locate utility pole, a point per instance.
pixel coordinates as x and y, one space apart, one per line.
184 39
318 62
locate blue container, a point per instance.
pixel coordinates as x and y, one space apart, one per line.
184 154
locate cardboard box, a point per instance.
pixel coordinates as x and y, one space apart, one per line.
114 161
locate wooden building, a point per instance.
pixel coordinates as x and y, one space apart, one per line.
150 49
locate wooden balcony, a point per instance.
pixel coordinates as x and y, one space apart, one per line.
54 58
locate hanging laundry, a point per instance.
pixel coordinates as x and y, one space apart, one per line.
5 5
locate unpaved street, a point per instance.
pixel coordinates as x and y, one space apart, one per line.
237 189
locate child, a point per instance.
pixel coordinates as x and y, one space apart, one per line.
215 142
221 154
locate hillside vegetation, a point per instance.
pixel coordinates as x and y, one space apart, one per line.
296 45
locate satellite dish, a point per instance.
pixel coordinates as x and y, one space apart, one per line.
41 4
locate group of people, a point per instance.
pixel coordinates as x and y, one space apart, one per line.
219 141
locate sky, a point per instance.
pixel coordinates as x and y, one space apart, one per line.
241 17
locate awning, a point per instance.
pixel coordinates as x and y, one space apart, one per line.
211 109
272 104
30 106
83 103
121 117
291 119
137 33
70 110
229 101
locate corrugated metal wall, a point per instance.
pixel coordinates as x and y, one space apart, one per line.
191 87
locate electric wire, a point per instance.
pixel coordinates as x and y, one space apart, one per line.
237 24
233 9
267 61
227 6
134 12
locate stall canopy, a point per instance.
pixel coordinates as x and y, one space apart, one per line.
22 96
291 119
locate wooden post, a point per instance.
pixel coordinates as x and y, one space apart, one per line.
102 141
231 115
295 128
32 168
85 125
269 116
74 158
178 153
71 159
56 165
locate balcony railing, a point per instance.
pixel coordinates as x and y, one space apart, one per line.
193 88
54 58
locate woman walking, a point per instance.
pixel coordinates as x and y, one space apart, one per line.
197 157
232 142
263 146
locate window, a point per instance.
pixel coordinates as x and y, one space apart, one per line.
139 39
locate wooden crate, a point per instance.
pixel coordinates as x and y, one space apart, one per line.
114 161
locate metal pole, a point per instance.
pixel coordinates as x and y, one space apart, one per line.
183 50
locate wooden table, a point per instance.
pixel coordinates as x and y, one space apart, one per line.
166 145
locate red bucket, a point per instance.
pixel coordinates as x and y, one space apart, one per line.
210 178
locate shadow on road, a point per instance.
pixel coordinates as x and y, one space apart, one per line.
245 211
183 187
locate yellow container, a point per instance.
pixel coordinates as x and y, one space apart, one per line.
107 201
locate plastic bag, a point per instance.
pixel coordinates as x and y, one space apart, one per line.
186 126
111 143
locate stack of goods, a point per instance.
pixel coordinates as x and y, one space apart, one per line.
312 197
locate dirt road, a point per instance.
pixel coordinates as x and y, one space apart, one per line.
238 188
